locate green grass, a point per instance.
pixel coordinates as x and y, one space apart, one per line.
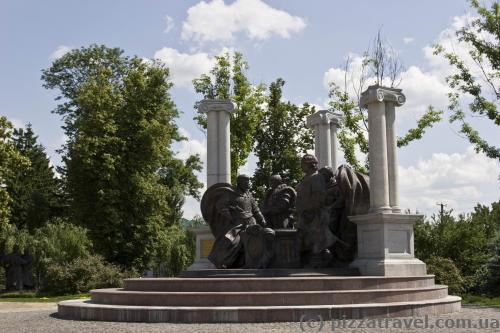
38 298
480 300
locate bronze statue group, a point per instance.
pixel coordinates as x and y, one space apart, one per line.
318 209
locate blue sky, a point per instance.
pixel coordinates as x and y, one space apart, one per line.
304 42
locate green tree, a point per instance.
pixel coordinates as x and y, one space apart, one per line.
281 139
476 75
463 239
227 80
11 160
119 119
35 191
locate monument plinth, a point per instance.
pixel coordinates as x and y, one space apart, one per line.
332 210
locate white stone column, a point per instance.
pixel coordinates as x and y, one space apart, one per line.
392 156
218 140
373 99
325 123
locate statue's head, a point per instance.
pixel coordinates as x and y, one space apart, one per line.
243 182
309 163
327 173
275 180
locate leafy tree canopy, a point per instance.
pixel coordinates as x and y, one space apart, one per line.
11 160
227 80
35 191
281 139
119 119
477 74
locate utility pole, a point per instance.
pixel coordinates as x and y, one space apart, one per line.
442 208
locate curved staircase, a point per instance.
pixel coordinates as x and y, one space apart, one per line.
263 296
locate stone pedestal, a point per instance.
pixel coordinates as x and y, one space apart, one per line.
385 245
218 140
204 243
325 124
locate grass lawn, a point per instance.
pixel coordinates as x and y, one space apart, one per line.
34 297
480 300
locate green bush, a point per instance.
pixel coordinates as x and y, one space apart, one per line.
57 243
82 275
175 251
447 273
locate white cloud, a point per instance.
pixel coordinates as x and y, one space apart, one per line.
215 21
422 89
191 146
354 72
59 52
408 40
184 67
458 180
169 24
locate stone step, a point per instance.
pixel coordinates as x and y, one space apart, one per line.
274 272
266 298
310 283
85 310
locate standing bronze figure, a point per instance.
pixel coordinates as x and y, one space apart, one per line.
278 204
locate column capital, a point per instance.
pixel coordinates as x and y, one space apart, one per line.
324 117
208 105
378 93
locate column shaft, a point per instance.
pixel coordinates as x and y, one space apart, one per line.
379 180
325 158
317 142
224 148
212 148
392 157
218 139
333 143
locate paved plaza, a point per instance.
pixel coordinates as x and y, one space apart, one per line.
41 317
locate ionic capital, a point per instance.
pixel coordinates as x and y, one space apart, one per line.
378 93
208 105
324 117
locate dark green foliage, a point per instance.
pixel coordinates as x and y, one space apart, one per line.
119 167
10 162
466 240
56 243
175 252
446 273
36 193
281 138
63 263
476 78
229 82
82 275
179 180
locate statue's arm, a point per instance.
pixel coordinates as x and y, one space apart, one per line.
259 218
